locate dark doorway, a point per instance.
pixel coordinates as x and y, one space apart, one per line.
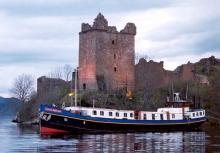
84 86
101 82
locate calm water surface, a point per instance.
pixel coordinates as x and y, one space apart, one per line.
26 139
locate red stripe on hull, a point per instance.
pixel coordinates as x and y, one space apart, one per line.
46 130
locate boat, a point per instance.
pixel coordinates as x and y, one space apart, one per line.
177 115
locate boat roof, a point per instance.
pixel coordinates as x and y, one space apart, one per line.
96 108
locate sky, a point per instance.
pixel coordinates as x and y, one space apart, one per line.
38 36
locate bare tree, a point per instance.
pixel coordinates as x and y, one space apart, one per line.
56 73
23 87
63 72
67 71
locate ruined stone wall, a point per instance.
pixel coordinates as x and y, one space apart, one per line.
151 75
49 88
106 56
185 72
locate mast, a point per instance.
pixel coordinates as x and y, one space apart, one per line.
187 92
76 87
172 92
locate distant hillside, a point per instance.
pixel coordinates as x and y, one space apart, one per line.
210 67
9 106
207 66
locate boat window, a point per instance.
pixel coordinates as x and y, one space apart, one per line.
110 113
145 116
161 116
117 114
94 112
101 113
168 116
125 114
197 113
131 114
173 115
193 114
200 113
153 116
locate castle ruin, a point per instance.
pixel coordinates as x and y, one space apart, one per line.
107 62
106 56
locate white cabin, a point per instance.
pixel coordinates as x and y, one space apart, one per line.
168 113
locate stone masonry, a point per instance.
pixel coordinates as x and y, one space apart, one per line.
48 88
152 75
106 56
149 75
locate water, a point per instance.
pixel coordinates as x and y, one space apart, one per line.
26 139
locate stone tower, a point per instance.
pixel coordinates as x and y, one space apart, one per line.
106 56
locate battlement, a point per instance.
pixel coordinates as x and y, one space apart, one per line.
101 23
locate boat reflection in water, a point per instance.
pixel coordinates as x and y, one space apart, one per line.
130 142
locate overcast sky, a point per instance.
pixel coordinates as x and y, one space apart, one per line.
37 36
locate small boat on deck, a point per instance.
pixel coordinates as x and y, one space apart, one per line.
177 115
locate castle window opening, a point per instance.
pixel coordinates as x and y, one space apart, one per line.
84 86
113 42
115 69
114 56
